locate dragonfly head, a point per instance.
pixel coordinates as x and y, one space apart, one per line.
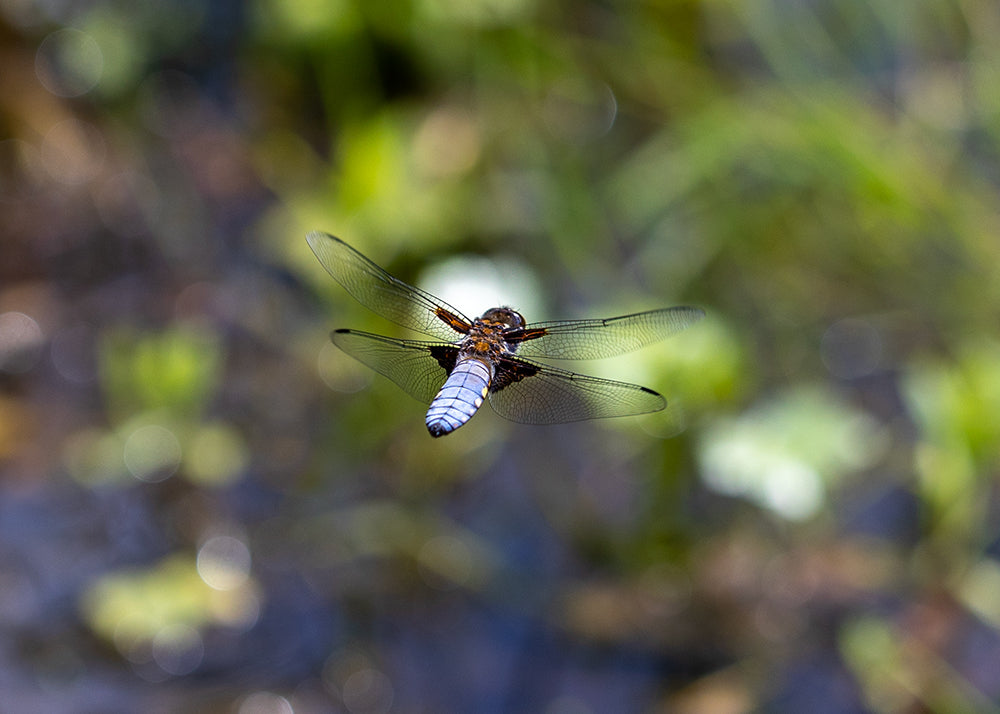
506 316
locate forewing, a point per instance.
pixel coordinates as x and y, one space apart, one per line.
419 368
594 339
380 292
531 393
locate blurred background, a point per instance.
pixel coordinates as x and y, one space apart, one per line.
205 507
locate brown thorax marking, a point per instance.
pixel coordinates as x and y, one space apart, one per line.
485 340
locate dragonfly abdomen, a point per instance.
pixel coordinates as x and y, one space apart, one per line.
460 397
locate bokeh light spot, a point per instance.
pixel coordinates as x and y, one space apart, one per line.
178 649
152 453
367 691
447 143
578 112
224 562
264 703
69 63
238 608
474 285
20 342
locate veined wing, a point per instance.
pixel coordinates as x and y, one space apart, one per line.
594 339
530 393
419 368
380 292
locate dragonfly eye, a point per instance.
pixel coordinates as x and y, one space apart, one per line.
505 316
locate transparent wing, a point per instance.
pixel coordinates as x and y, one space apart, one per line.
380 292
594 339
530 393
419 368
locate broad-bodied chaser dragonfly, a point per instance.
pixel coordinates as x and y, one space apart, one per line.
472 360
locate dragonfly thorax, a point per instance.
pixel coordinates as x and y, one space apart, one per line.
485 339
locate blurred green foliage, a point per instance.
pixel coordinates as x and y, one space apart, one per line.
158 388
786 453
147 613
175 371
811 526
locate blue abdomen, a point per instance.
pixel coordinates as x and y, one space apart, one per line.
460 397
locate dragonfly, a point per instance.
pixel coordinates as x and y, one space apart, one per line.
492 357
